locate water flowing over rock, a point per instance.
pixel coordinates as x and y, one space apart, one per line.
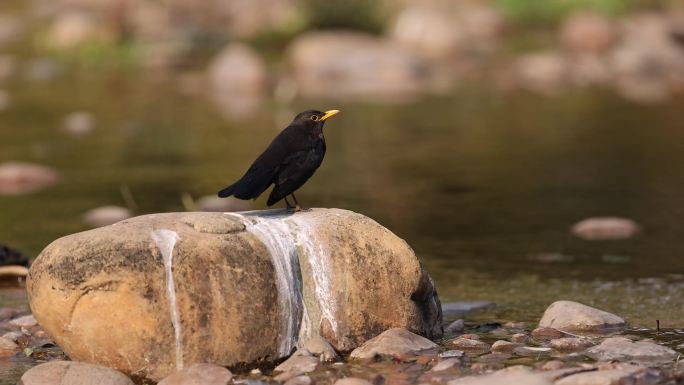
227 288
568 315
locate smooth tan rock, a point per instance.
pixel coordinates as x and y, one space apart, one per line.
470 346
199 374
393 342
72 373
568 315
511 375
626 350
227 288
352 381
571 344
302 361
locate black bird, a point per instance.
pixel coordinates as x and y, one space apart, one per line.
288 162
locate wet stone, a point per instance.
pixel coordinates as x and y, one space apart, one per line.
299 380
546 333
7 313
352 381
446 364
199 374
451 354
519 338
493 357
502 346
568 315
26 321
302 361
470 346
73 373
531 351
454 327
571 344
624 349
393 342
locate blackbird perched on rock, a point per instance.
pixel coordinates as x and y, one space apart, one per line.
288 162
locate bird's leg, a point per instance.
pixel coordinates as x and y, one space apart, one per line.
289 207
297 206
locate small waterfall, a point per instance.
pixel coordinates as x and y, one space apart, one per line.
165 241
283 236
276 235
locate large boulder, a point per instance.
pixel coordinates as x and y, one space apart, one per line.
227 288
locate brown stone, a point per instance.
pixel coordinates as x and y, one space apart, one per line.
184 288
72 373
199 374
568 315
393 342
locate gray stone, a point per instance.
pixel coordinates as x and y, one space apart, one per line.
571 344
546 333
463 308
299 380
199 374
13 336
352 381
302 361
321 348
456 326
446 364
532 351
7 344
72 373
569 316
451 354
26 321
78 123
623 349
501 346
393 342
511 375
470 346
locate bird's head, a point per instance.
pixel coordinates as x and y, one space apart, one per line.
313 118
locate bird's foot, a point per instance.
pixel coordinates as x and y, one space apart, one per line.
295 209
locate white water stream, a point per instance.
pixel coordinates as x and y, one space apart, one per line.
165 241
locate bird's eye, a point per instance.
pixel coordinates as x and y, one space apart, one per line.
314 118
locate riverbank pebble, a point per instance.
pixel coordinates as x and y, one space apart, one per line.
199 374
569 316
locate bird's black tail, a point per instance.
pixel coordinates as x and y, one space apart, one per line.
228 191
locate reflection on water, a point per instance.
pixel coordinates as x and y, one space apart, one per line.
484 186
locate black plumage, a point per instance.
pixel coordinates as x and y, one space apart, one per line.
289 161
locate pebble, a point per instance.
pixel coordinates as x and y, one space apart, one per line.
502 346
302 361
570 316
451 354
299 380
571 344
454 327
26 321
106 215
470 346
470 336
7 313
79 123
352 381
624 349
531 351
546 333
446 364
73 373
13 336
21 178
552 365
7 344
393 342
199 374
607 228
519 338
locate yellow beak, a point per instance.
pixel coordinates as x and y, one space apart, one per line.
329 114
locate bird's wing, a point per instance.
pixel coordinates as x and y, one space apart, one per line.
295 170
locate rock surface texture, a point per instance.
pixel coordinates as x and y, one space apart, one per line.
227 288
